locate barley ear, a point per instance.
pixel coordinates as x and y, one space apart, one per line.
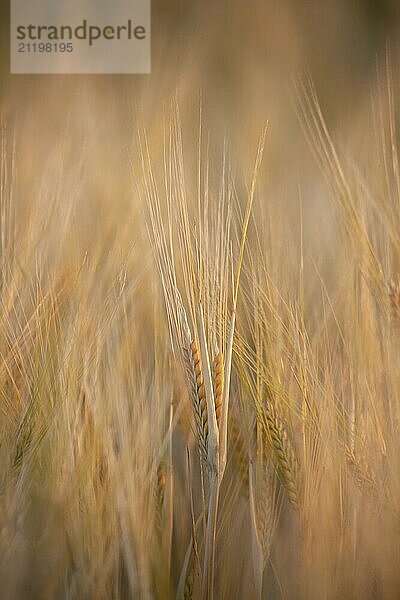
213 442
361 474
160 494
200 402
194 374
218 372
283 454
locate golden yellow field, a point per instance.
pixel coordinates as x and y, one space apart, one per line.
200 313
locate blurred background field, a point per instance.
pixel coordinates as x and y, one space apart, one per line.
241 59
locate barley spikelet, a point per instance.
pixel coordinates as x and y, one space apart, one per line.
218 371
283 453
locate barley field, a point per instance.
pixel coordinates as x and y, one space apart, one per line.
200 313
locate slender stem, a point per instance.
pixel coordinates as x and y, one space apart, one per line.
207 587
257 551
213 466
170 504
